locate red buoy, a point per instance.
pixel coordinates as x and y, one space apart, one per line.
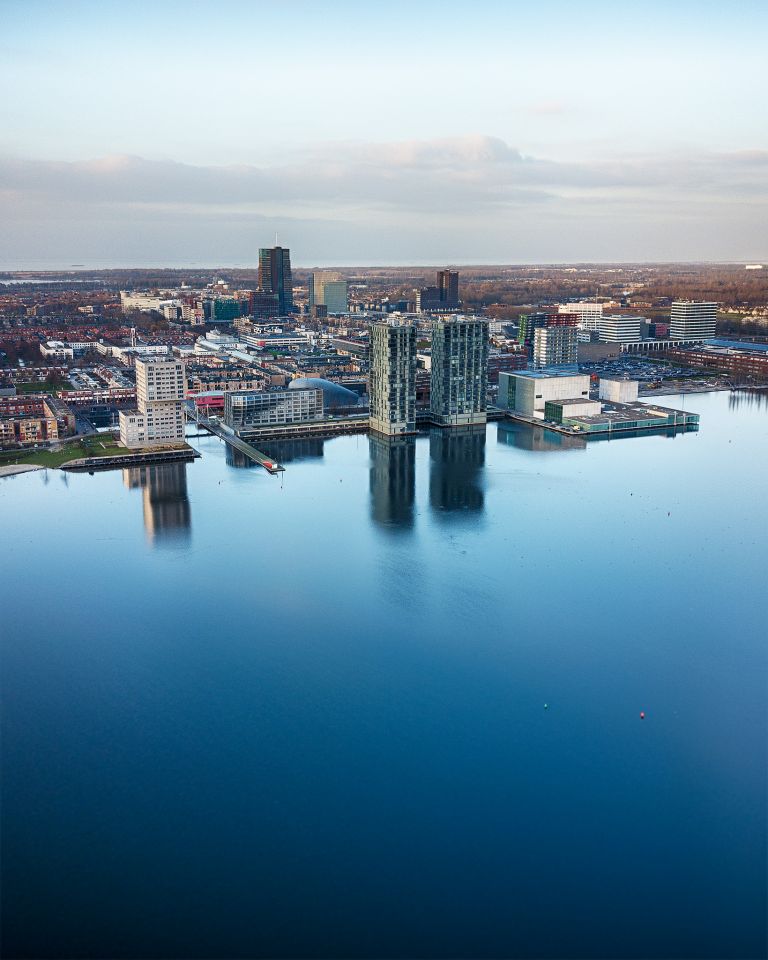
642 715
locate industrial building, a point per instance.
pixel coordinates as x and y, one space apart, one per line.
459 371
392 387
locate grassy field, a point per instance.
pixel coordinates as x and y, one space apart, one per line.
100 445
41 387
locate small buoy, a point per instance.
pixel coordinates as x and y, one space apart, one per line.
642 714
546 706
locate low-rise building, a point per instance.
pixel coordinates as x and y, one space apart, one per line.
527 392
618 390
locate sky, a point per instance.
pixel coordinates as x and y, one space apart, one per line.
168 133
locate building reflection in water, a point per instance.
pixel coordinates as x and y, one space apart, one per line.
289 451
537 439
457 458
166 504
747 398
393 481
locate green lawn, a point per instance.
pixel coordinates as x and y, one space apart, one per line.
100 445
42 387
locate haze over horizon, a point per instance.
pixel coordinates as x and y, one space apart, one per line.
189 134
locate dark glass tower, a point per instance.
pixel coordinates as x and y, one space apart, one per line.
448 287
275 276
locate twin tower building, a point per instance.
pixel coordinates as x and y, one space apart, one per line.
458 374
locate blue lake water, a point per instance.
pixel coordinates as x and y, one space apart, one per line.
248 716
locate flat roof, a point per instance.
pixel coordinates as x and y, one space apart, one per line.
544 374
626 412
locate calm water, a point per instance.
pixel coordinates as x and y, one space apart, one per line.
246 717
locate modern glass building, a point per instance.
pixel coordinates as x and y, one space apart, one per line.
245 409
392 386
275 276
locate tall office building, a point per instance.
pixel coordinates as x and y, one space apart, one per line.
393 377
617 328
159 420
328 290
459 371
275 276
448 287
692 320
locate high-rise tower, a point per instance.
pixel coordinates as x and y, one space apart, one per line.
393 377
275 276
459 371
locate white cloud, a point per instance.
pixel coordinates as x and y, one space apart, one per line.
479 188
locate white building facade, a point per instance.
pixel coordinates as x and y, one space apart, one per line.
159 419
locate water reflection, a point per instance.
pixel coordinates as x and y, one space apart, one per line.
235 458
393 480
457 456
747 398
289 451
537 439
166 504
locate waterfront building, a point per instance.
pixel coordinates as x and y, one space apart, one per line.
159 419
392 386
459 371
617 328
529 391
692 320
248 408
275 276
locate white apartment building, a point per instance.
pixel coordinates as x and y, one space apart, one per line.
159 420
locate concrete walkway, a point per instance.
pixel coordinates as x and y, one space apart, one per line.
15 468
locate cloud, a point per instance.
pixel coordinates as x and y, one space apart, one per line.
478 185
446 175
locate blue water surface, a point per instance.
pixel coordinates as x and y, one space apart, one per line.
388 705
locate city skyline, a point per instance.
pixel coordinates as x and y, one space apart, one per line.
642 140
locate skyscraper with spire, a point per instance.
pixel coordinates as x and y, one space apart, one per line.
275 276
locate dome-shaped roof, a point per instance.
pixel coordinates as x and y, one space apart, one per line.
334 395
